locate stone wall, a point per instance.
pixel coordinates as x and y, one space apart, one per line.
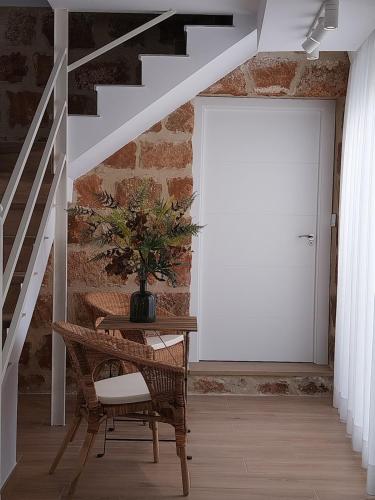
26 59
164 154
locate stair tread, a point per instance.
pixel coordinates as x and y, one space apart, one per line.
255 368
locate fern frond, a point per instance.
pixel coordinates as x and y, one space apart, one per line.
107 254
106 199
80 211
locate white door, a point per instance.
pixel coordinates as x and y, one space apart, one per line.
263 172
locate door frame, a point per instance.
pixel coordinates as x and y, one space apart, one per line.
324 214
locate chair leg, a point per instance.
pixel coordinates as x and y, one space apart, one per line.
84 454
181 452
69 436
155 441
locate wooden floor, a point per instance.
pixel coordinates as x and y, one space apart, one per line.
244 448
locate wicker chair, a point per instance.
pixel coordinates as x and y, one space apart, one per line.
166 348
155 393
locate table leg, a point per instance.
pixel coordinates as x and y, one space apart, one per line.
187 346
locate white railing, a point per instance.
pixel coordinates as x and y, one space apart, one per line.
22 308
30 137
29 207
33 277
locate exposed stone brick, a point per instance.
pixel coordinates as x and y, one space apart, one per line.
43 65
25 355
183 270
180 187
311 387
119 24
127 186
31 382
124 157
272 75
155 128
109 73
21 27
82 104
324 78
280 387
42 315
48 275
166 154
84 272
232 84
182 120
44 353
48 27
206 385
22 106
175 303
78 312
87 187
80 31
13 67
77 231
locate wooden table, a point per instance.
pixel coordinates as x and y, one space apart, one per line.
183 325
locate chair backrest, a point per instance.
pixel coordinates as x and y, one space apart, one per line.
105 303
88 349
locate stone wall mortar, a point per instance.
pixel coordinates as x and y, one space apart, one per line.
261 385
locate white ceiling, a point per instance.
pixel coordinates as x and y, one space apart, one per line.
282 28
182 6
286 23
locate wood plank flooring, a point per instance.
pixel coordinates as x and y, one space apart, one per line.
244 448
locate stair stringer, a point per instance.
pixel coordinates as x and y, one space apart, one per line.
204 77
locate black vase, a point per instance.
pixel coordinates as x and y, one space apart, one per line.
142 305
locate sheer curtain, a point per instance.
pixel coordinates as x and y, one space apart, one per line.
354 386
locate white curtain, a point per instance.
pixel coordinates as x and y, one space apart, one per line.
354 386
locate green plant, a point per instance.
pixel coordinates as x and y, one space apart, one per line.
145 237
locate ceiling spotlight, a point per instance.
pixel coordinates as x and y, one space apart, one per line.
309 45
313 56
331 14
319 32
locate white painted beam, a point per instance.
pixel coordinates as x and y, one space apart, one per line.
61 232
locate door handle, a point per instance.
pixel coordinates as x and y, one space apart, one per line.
309 237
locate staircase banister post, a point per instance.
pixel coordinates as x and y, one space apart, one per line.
60 228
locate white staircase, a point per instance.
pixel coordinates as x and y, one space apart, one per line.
124 113
168 81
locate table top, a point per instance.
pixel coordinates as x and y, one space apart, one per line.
175 323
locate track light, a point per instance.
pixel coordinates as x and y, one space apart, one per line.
309 45
318 33
331 16
313 56
326 19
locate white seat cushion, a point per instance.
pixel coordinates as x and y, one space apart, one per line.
129 388
162 341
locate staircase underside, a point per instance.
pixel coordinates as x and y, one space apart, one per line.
168 81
